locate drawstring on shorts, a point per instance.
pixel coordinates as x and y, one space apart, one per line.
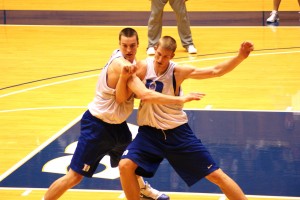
165 135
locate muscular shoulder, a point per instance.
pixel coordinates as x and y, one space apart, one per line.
116 65
182 72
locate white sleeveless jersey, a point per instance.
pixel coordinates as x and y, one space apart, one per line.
161 116
104 105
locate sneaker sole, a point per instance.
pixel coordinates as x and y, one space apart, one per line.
143 197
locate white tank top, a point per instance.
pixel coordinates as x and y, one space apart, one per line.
104 105
161 116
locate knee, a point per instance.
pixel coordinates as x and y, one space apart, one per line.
217 177
127 165
77 179
74 178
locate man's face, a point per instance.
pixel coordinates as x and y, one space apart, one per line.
128 47
163 56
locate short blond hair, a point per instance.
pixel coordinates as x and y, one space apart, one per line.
167 42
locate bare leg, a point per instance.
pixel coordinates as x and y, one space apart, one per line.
227 185
276 4
274 17
129 180
61 185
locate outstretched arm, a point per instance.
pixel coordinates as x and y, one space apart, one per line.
217 70
227 66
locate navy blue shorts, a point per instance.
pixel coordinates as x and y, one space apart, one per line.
184 151
97 139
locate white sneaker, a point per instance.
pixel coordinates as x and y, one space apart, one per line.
191 49
274 17
151 51
150 193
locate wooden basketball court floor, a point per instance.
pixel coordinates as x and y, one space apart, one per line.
48 77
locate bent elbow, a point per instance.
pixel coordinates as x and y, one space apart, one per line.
146 96
120 100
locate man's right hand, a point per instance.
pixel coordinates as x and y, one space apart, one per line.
193 96
127 71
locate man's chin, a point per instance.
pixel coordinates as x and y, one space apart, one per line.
130 58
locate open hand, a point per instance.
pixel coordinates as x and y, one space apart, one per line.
193 96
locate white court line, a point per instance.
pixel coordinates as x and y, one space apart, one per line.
46 85
251 55
27 192
289 108
42 108
208 107
180 193
33 153
121 196
222 197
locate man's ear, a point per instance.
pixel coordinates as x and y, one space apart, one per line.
172 55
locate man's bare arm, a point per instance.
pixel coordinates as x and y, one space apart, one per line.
150 96
122 91
217 70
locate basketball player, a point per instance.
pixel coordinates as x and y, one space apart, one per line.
164 131
104 130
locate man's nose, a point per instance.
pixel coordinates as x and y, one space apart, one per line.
128 49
